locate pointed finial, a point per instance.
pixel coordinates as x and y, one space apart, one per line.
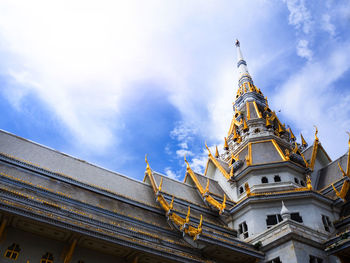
216 152
285 212
292 137
226 144
237 43
303 142
349 137
268 123
245 126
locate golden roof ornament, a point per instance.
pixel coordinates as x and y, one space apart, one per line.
245 126
303 142
216 152
226 144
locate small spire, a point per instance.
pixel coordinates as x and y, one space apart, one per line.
245 126
226 144
303 142
244 75
285 212
292 137
235 135
268 123
216 152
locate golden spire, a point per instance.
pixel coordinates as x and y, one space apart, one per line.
216 152
280 129
268 123
291 134
303 142
235 135
245 126
226 145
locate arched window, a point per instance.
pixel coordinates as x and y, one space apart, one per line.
47 258
12 252
241 190
277 178
264 180
302 183
296 180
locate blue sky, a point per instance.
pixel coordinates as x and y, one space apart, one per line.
109 81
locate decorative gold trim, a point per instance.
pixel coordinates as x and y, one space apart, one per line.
346 185
303 142
279 150
248 110
205 192
2 227
181 223
70 252
217 164
257 110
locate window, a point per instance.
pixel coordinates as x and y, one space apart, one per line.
302 183
264 180
326 223
12 251
47 258
277 178
275 260
296 217
241 190
273 220
296 180
314 259
243 229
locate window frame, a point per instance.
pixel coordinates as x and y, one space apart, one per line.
12 250
243 229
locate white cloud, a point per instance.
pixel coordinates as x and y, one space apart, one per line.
303 49
310 97
327 25
170 173
299 15
181 153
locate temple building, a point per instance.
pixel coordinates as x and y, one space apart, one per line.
266 197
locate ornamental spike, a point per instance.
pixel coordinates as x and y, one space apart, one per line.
226 144
216 152
303 142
